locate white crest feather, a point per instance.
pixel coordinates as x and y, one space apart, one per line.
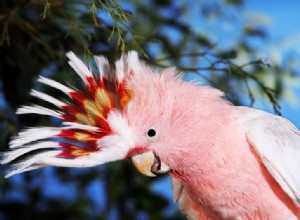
121 69
33 134
49 159
36 109
103 66
73 125
133 62
17 168
120 126
47 98
79 67
32 163
11 155
54 84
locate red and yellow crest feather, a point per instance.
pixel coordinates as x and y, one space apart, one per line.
84 117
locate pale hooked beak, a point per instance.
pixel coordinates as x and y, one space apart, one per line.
149 164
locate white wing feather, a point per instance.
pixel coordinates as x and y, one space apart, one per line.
277 142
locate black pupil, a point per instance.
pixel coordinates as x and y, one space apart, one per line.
151 133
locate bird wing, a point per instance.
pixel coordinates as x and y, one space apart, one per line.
277 142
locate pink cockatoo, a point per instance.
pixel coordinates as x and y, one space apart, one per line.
226 162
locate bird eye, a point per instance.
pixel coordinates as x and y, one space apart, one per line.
151 133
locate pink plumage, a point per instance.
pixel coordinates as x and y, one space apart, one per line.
226 162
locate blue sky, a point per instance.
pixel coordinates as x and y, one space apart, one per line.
284 15
285 29
281 19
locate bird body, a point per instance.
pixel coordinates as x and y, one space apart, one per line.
235 184
226 162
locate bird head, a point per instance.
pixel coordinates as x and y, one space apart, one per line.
131 112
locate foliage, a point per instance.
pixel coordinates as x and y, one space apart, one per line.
36 34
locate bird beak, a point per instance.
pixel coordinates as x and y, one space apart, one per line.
149 164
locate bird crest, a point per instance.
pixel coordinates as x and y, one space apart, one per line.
84 115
